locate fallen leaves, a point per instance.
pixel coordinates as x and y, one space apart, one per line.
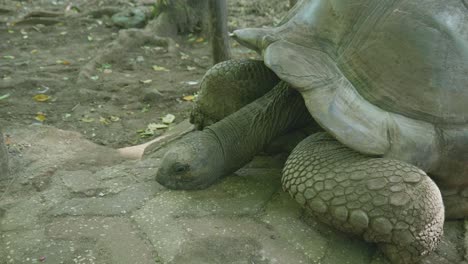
195 39
159 68
108 120
40 116
152 128
5 96
168 119
41 98
191 83
87 119
104 121
188 98
63 62
146 81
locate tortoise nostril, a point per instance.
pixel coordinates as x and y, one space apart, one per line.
179 167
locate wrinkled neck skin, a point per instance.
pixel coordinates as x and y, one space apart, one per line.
224 147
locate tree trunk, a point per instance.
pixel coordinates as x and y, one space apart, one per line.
176 17
3 159
219 32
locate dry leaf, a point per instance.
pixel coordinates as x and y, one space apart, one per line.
41 97
114 118
188 98
87 119
41 117
154 126
159 68
168 119
104 121
63 62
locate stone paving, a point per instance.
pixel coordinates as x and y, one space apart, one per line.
68 200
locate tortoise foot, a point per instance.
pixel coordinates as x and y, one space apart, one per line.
388 202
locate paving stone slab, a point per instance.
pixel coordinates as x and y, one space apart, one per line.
115 238
245 218
122 203
30 246
317 241
81 182
22 215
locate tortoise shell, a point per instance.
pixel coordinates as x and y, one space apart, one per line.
385 77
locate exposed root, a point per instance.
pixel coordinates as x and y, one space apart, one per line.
43 13
104 11
127 40
6 10
37 20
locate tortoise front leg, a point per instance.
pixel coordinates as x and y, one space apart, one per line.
389 202
227 87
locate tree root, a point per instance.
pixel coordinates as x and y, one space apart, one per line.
43 13
104 11
128 39
37 20
5 10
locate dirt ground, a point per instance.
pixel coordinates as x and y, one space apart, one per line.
41 60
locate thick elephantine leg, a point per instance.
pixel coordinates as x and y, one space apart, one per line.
222 148
389 202
227 87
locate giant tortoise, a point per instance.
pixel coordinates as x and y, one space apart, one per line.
387 81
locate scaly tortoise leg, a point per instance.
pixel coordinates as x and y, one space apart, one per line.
389 202
227 87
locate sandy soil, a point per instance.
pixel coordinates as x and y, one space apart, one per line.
44 58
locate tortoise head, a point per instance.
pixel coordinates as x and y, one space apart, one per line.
193 163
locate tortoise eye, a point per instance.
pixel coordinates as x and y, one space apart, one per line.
179 167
